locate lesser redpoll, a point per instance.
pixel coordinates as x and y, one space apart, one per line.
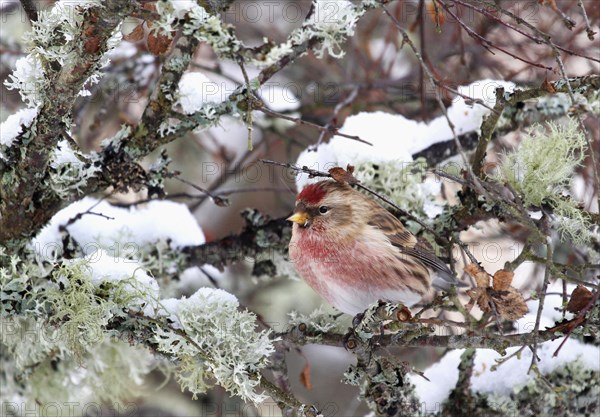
353 252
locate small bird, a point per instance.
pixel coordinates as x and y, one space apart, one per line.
353 252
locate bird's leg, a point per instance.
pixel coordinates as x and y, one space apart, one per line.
352 331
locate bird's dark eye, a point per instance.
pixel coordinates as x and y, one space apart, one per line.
323 209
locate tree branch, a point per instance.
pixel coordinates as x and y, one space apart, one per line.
30 10
22 208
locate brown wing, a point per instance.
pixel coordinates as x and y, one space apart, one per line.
424 254
392 227
409 245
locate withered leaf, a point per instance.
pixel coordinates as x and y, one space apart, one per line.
137 34
546 85
158 42
580 298
510 304
343 176
149 6
92 45
481 277
435 13
502 280
305 377
478 295
403 314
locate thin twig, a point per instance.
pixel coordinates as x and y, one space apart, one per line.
486 43
569 23
249 103
222 193
336 111
539 40
588 27
542 298
30 10
331 129
432 79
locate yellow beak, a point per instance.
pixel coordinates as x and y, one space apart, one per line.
300 218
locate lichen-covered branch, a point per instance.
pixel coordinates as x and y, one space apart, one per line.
508 101
489 341
117 165
261 236
21 203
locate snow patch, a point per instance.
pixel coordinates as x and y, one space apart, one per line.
105 267
196 90
509 375
13 126
128 227
396 138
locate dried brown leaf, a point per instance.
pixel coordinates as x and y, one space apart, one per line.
481 277
478 295
137 34
343 176
484 301
149 6
546 85
92 45
502 280
305 377
435 13
158 42
580 298
510 304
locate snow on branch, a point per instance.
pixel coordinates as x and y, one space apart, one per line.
98 283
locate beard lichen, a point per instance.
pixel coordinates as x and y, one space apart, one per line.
540 170
55 342
81 314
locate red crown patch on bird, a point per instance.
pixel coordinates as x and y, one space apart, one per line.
312 193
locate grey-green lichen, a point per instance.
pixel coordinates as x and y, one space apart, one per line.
316 321
82 314
219 344
55 40
541 170
70 170
331 23
405 184
384 386
55 341
197 22
112 369
570 391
